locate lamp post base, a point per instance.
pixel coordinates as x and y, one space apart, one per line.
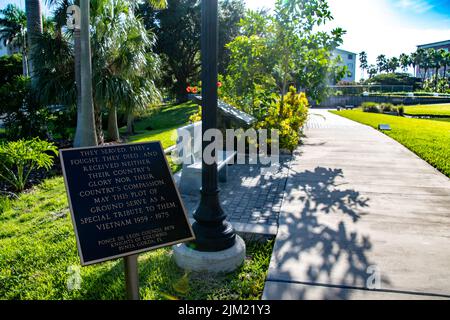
214 262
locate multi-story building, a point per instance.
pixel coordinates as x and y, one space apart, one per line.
435 45
348 59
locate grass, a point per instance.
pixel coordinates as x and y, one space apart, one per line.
429 139
162 125
37 249
429 110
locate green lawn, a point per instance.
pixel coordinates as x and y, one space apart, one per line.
429 139
162 124
38 246
432 110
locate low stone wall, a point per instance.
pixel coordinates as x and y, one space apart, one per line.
342 101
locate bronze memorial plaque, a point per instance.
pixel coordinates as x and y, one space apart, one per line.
123 201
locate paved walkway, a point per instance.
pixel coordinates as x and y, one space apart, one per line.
360 212
251 199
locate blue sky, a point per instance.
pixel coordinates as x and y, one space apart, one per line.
377 26
386 26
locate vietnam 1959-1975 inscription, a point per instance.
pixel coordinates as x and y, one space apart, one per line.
123 201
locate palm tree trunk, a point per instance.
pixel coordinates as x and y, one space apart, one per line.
99 125
25 64
34 29
113 128
130 123
436 80
77 50
88 136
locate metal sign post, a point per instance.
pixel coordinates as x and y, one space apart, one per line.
123 201
132 277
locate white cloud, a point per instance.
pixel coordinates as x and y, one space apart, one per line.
418 6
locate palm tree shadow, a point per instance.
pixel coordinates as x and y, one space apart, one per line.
324 241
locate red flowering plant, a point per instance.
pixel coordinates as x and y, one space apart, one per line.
197 90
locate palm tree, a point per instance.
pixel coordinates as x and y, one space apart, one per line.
121 60
13 27
34 29
363 62
405 61
446 62
372 71
437 57
392 64
415 61
382 63
123 64
426 61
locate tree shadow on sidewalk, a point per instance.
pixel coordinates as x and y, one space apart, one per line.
324 246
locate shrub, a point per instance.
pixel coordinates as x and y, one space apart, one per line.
20 158
24 117
387 107
371 107
10 67
443 85
397 79
287 117
196 117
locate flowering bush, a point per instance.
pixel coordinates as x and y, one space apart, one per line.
198 89
288 116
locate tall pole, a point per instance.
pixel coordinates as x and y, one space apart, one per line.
213 232
86 136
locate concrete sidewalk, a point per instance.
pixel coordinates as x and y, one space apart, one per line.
360 212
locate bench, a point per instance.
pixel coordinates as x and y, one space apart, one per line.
190 153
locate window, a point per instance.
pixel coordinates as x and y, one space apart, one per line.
350 57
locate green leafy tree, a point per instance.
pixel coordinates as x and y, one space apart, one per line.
230 14
13 31
286 43
10 67
249 72
178 39
304 55
177 29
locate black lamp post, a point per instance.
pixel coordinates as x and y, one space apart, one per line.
213 232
